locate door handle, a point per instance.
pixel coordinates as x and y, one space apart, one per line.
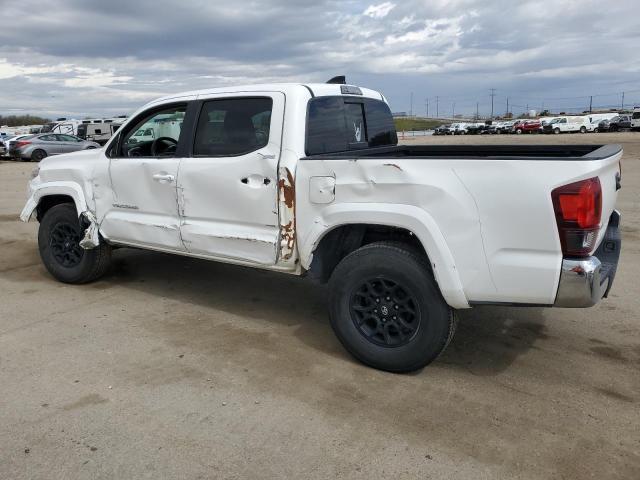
163 178
256 181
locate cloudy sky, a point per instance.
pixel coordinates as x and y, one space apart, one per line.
85 58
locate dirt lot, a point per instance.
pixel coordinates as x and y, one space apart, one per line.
176 368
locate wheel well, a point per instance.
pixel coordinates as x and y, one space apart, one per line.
51 201
343 240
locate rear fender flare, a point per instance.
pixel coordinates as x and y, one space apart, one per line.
409 217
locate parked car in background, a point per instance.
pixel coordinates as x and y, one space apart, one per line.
143 135
528 126
460 128
620 122
37 147
477 128
9 141
504 127
635 119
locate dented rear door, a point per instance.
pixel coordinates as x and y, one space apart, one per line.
227 187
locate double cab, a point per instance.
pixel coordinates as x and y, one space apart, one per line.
309 180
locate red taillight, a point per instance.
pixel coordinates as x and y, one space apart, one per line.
578 209
22 144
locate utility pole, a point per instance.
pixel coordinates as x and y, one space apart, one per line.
437 113
622 107
507 115
591 104
493 94
411 107
453 111
477 110
426 102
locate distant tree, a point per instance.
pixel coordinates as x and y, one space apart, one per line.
19 120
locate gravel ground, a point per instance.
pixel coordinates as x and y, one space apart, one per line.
171 367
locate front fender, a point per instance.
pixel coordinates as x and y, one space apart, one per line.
409 217
40 190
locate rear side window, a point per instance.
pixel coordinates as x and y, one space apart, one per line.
233 126
338 124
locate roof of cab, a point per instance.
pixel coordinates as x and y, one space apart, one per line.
312 89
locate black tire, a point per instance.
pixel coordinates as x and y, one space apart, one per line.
583 129
58 241
556 131
519 131
38 155
424 324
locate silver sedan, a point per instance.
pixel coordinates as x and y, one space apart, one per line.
36 147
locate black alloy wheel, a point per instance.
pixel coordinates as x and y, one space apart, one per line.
385 312
64 241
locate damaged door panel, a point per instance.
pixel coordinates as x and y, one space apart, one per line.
144 208
228 188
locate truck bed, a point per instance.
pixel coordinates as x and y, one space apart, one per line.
488 207
493 152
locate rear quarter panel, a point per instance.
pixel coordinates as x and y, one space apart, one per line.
488 226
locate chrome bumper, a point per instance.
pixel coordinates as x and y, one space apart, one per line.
584 281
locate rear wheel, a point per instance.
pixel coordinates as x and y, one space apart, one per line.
59 238
38 155
387 310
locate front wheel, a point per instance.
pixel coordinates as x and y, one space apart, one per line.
556 131
583 129
59 238
387 310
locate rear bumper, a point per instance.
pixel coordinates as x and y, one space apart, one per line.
584 281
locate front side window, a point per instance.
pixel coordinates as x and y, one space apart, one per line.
233 126
164 125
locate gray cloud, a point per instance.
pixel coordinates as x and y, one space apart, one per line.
85 58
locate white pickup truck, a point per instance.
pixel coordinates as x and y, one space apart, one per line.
309 180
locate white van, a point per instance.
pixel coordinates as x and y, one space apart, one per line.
568 125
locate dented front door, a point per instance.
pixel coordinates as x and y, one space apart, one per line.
143 174
228 187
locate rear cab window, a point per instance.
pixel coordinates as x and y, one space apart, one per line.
343 123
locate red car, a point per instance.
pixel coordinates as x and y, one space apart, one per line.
529 126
